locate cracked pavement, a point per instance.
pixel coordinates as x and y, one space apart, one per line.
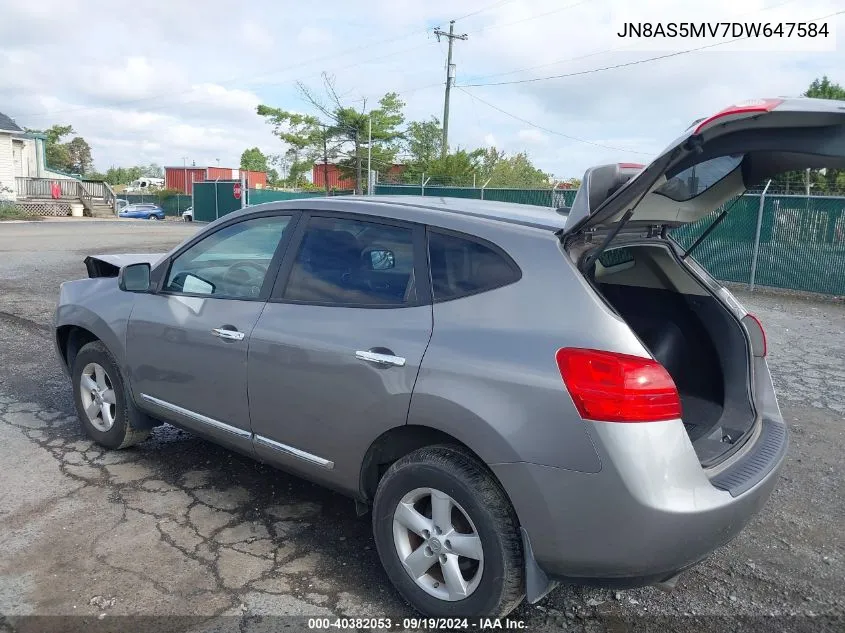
180 527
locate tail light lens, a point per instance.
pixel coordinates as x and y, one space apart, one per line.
611 387
759 347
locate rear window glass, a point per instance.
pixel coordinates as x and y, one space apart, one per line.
697 179
464 266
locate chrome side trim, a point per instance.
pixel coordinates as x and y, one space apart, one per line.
217 424
290 450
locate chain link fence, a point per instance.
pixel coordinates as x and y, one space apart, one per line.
801 243
540 197
173 204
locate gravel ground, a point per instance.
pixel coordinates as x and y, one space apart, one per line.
179 527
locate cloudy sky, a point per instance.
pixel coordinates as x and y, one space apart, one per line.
154 81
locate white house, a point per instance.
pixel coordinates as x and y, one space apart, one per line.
22 155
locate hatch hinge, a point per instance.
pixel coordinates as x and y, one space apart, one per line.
657 230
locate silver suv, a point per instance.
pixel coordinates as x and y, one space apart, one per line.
520 395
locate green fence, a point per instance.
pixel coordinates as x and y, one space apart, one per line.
539 197
802 243
215 199
172 204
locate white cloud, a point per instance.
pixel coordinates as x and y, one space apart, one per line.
145 84
532 136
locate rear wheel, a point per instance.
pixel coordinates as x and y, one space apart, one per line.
101 399
448 536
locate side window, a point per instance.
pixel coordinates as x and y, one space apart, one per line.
350 262
461 267
231 262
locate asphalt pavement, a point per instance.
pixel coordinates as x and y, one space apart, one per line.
182 535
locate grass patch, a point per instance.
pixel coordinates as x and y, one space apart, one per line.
11 212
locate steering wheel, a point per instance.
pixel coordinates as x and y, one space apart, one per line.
239 275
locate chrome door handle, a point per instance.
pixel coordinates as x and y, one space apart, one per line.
380 359
231 335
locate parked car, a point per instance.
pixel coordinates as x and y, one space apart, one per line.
520 396
142 212
188 214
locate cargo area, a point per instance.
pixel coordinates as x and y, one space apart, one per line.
691 333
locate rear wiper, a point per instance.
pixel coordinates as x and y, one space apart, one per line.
712 227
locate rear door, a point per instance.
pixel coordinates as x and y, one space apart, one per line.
716 159
335 354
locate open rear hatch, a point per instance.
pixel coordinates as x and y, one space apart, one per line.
617 233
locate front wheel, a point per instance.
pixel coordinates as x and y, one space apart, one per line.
101 398
154 217
448 536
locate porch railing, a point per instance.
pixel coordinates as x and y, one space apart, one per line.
86 191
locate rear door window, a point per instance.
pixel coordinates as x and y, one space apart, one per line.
463 266
349 262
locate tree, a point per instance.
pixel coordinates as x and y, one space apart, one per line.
152 171
421 144
338 131
515 171
455 168
79 156
423 140
825 89
253 160
829 181
305 135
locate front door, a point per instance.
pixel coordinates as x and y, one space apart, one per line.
187 343
335 354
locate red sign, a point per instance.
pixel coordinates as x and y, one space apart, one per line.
236 191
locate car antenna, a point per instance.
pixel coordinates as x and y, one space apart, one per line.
710 228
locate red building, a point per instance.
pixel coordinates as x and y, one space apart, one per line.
319 175
182 178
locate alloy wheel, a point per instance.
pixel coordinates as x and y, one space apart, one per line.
438 544
98 397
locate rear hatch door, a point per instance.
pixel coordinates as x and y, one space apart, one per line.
716 159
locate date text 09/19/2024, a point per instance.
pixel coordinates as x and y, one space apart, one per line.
411 624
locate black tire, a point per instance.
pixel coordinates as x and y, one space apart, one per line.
122 434
461 476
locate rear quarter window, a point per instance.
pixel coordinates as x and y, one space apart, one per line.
462 266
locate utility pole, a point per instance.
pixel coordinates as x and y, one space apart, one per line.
358 164
370 155
450 77
325 162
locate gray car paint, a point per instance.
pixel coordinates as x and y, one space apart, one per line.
307 389
488 379
595 500
173 357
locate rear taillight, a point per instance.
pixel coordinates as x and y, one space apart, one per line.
759 347
611 387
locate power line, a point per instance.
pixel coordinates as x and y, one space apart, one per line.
625 64
545 129
487 8
530 17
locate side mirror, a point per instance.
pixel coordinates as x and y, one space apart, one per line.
134 278
380 259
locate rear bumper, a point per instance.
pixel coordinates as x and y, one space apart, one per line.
650 513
